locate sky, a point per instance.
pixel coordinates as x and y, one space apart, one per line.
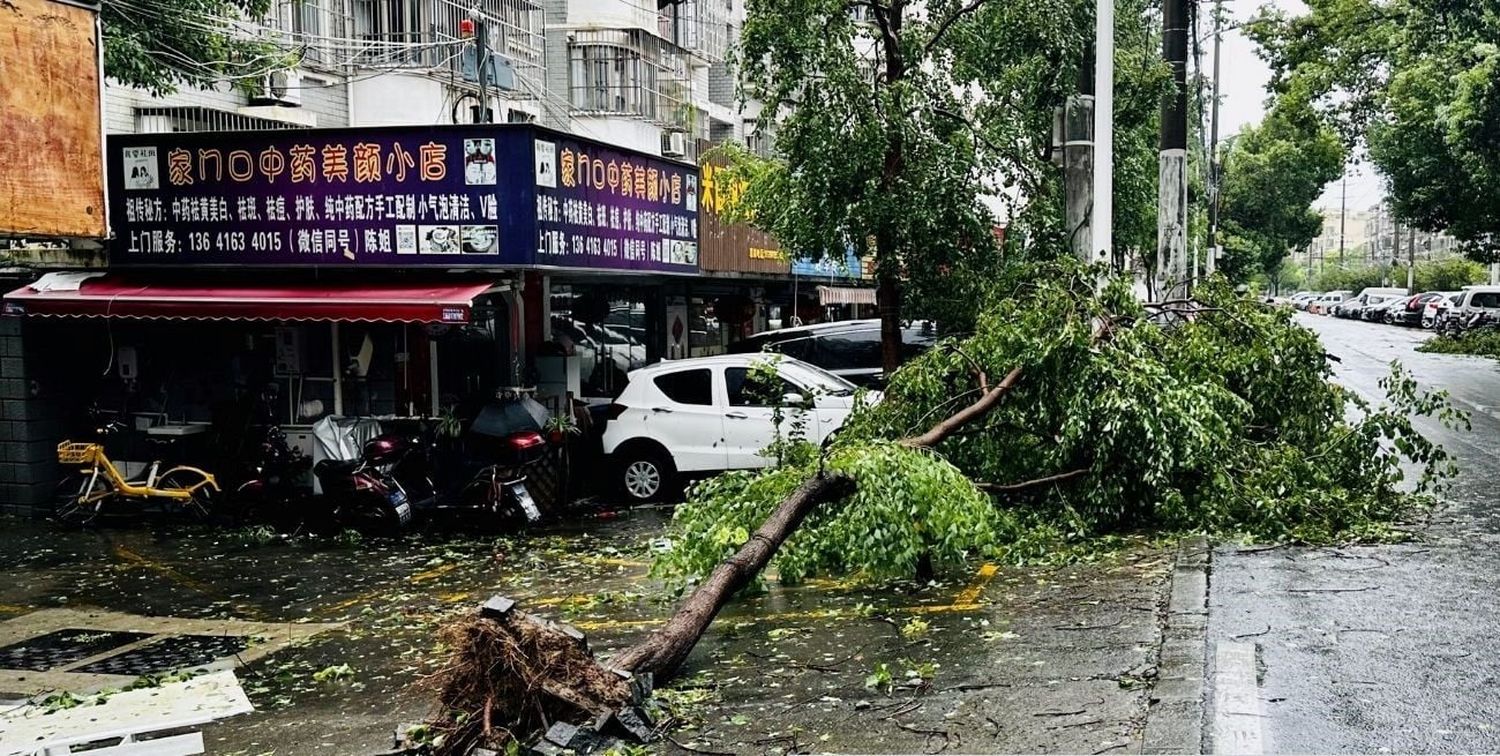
1243 77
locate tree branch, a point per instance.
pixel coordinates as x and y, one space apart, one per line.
947 24
959 419
1027 485
984 381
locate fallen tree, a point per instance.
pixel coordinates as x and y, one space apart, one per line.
1213 415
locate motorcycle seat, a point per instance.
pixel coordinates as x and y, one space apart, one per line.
336 466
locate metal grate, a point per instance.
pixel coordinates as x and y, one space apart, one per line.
167 654
63 647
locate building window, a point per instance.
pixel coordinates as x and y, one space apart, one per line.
609 79
631 72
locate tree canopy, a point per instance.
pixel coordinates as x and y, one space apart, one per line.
898 125
1273 173
159 45
1419 82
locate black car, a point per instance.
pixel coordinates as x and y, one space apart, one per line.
849 349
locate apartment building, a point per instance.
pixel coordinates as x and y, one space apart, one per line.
648 75
1380 228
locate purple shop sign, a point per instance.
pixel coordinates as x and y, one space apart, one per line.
450 196
318 197
600 207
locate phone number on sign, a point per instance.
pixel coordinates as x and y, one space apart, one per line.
234 241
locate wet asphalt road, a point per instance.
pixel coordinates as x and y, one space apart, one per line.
1371 649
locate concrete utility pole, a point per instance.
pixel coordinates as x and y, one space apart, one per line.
1078 165
1102 225
1215 167
1411 261
1171 217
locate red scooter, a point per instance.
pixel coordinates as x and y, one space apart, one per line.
401 475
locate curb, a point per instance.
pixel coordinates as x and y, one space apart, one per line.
1174 719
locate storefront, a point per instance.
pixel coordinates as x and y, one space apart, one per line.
385 272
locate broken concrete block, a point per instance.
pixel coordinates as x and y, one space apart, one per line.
574 633
496 607
627 722
561 733
640 688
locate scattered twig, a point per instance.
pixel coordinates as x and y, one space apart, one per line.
974 686
1076 724
1059 713
1251 635
1034 483
1333 590
929 733
1259 549
907 708
691 749
1109 748
1116 623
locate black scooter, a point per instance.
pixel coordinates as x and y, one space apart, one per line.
483 469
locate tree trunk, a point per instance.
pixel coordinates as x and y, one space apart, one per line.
664 650
888 297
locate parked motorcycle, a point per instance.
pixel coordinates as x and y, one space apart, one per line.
482 469
1456 326
270 485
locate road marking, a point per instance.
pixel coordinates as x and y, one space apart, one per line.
1237 707
435 572
982 578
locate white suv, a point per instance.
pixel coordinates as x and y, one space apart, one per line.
709 414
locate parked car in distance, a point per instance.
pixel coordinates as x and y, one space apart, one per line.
1302 299
703 415
849 349
1408 311
1473 300
1324 303
1366 304
1437 309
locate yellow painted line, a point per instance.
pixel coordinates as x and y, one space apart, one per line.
613 561
956 607
197 586
982 578
435 572
14 609
420 577
155 566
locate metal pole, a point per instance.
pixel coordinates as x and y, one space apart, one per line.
1215 168
1171 218
1343 212
1103 222
482 50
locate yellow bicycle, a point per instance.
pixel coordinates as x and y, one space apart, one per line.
83 495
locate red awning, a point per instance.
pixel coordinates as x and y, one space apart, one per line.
123 296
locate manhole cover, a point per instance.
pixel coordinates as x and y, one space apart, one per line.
167 654
63 647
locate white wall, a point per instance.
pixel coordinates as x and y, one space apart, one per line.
624 132
398 99
612 14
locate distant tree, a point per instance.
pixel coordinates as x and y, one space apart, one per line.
1418 81
1272 175
1449 274
159 45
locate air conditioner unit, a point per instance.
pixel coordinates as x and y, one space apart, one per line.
282 87
674 144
